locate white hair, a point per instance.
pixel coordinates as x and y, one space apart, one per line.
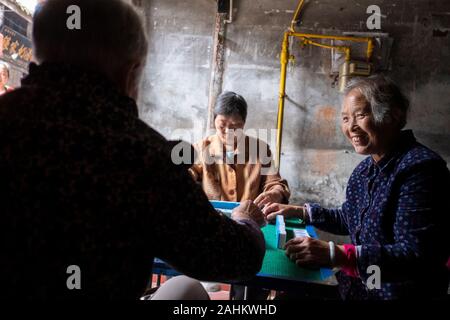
5 66
111 37
383 96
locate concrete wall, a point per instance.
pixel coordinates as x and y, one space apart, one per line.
316 160
176 81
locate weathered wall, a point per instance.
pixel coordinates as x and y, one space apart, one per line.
316 160
175 83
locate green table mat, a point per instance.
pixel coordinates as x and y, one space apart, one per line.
277 264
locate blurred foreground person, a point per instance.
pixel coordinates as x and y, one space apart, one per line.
87 187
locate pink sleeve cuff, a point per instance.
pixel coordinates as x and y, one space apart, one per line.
350 267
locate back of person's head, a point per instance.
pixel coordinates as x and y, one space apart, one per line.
111 37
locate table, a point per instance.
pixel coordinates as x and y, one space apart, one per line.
278 272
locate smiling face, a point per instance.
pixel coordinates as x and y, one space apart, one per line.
228 128
359 127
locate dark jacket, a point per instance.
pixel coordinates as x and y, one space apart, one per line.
397 215
83 181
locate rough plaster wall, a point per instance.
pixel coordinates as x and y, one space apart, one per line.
174 92
316 160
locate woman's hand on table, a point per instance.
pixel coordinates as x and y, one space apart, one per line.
286 210
269 197
312 253
248 210
308 252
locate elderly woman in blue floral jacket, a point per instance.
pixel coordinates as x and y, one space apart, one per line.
396 209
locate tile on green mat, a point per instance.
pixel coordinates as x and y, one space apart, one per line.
276 263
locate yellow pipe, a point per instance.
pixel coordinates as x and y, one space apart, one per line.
297 13
284 59
321 36
370 47
370 44
347 53
344 49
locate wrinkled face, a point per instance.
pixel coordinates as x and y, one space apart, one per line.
359 127
229 128
3 76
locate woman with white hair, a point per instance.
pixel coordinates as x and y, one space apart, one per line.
396 208
89 193
4 78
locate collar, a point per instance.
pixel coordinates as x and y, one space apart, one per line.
217 148
405 140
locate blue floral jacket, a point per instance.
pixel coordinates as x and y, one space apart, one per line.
396 213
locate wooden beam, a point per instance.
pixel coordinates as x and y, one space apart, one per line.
217 67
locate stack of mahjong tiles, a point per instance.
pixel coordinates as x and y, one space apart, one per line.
300 233
281 232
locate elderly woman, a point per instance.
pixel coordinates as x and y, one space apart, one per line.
233 166
4 78
396 208
89 194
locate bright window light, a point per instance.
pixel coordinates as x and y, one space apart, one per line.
29 4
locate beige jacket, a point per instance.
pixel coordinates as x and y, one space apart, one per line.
243 177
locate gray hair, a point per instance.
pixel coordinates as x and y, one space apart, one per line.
383 96
5 66
111 35
230 103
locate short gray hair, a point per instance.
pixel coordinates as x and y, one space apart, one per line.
111 35
383 96
230 103
5 66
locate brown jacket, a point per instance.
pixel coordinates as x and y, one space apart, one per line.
250 173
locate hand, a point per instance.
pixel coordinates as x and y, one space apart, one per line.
268 197
288 211
309 253
248 210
